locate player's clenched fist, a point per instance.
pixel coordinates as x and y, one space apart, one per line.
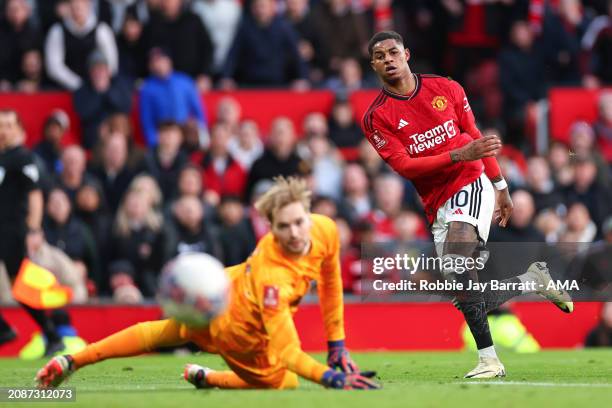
350 381
487 146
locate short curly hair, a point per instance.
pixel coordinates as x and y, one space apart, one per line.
285 191
382 36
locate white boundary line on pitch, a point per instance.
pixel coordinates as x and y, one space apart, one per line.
537 384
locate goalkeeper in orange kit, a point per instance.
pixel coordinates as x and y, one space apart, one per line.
255 335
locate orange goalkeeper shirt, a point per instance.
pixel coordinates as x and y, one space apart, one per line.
256 335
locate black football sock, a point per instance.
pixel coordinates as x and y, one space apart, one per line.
44 322
475 315
494 299
474 311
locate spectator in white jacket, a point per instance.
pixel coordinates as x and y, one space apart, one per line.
70 42
221 18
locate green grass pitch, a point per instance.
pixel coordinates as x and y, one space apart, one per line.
424 379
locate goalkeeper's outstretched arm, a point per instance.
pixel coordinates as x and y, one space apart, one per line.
285 342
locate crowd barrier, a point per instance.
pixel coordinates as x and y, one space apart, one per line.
568 105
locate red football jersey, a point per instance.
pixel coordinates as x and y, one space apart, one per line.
436 118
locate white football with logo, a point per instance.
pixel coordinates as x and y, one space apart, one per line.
194 289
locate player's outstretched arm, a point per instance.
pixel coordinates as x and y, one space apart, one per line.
394 153
412 167
329 288
285 342
305 366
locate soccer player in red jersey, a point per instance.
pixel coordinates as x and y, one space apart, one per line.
424 128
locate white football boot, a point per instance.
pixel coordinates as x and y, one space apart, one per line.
488 367
538 272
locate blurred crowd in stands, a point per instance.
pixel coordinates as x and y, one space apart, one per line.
119 210
506 52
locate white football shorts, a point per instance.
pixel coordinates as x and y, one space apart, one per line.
473 204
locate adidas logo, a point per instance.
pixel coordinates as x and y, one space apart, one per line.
458 211
402 123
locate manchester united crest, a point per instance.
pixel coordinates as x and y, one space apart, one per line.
439 103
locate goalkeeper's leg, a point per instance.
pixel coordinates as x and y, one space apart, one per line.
204 377
135 340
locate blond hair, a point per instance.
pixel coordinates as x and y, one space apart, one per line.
285 191
147 184
123 223
146 187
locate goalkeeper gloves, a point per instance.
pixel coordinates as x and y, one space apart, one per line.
339 357
349 381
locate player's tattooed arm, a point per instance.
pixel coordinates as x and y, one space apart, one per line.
488 146
455 156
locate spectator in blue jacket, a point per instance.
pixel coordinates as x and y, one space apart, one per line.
168 95
265 52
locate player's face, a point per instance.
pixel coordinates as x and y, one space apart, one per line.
390 60
291 228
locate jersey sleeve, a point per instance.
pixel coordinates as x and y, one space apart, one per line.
284 340
330 287
394 153
467 124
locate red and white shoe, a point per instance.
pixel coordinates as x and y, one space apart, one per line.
55 372
196 375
